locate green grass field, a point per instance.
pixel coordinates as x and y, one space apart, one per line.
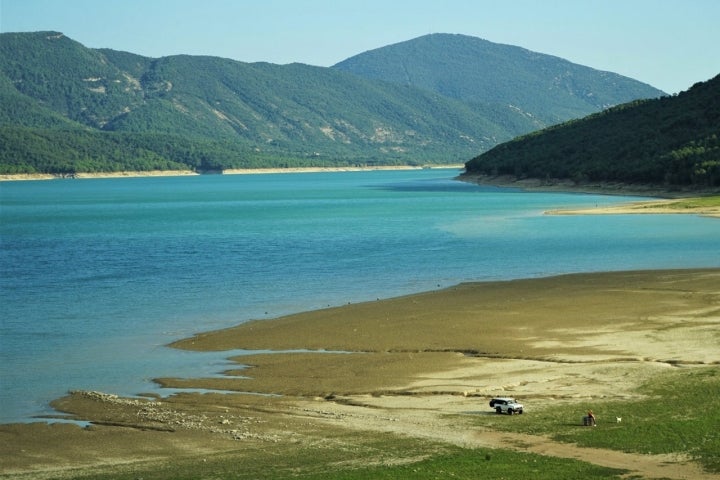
680 414
385 457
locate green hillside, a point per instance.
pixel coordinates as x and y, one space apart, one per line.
66 108
671 141
545 88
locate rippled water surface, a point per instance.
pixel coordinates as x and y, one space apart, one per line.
97 276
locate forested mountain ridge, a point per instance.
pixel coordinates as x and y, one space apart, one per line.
670 141
66 108
548 89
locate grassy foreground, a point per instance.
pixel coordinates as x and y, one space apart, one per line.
661 423
680 414
369 457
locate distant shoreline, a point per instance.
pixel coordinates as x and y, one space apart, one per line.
665 201
601 188
239 171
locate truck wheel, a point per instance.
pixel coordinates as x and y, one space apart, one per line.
510 411
498 410
520 412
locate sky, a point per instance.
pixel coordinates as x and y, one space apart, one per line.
669 44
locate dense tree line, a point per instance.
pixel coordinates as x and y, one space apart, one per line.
541 89
115 110
668 141
64 152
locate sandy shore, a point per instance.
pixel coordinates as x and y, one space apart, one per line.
602 188
665 207
45 176
244 171
670 201
408 362
253 171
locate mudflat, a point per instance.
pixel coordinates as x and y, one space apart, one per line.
401 366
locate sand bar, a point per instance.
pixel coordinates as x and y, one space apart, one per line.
664 207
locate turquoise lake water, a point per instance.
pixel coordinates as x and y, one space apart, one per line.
97 276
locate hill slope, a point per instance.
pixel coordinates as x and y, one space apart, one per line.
210 113
547 88
667 141
66 108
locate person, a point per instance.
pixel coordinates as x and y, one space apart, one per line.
591 416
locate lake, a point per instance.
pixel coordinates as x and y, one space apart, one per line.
98 275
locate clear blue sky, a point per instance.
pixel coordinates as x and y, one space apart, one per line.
669 44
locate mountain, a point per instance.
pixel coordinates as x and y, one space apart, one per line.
546 88
67 108
670 141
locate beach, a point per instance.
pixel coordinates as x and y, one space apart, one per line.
664 207
421 366
81 175
236 171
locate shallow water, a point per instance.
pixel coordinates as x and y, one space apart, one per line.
97 276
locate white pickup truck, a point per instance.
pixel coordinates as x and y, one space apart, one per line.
506 405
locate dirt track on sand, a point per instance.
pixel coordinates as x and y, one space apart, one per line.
425 367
